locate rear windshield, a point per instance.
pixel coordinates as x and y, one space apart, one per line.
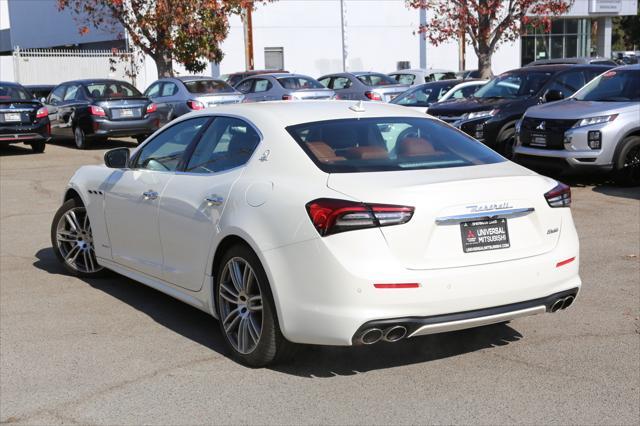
423 96
296 83
376 80
11 92
612 86
207 86
387 144
112 89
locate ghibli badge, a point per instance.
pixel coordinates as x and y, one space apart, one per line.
488 207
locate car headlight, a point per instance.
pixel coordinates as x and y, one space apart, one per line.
595 120
480 114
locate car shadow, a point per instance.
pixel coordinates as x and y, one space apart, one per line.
95 145
309 361
15 149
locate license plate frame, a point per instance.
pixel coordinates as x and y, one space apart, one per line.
538 139
12 117
493 235
126 113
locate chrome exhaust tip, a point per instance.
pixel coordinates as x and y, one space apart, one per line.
371 336
567 302
395 333
557 305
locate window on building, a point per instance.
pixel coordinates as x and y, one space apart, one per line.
567 38
274 58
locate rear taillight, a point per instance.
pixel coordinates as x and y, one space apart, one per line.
373 96
560 196
152 108
97 111
42 112
287 97
331 216
195 105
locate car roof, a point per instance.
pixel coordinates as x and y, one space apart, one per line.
628 67
575 60
440 83
43 86
420 70
557 67
11 83
94 80
184 78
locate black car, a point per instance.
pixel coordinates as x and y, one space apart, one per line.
40 91
490 115
23 119
99 109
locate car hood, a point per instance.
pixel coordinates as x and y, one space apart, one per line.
572 109
461 106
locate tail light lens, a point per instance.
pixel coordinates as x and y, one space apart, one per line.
331 216
152 108
373 96
195 105
287 97
560 196
97 111
42 113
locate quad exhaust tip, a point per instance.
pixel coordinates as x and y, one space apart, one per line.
562 303
371 336
395 333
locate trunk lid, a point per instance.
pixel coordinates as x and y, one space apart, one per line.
423 243
18 112
125 108
308 94
221 99
388 93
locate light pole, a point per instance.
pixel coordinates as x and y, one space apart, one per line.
342 31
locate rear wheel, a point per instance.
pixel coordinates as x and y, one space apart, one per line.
80 138
72 240
628 162
246 311
507 142
38 147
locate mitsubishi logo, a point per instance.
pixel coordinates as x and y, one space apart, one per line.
541 126
12 106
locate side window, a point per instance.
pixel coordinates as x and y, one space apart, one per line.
164 152
261 85
245 86
341 83
325 81
169 89
396 77
405 78
568 83
458 94
55 97
153 91
71 94
226 144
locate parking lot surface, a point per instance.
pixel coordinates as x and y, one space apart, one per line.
112 351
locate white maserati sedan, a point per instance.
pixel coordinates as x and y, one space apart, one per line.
324 222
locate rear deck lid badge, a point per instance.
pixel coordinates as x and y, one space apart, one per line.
488 207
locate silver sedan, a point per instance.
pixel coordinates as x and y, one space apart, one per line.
286 87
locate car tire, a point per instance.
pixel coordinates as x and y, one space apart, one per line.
80 138
506 142
38 147
72 240
270 346
627 165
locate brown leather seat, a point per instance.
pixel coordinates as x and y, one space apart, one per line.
324 152
367 153
415 147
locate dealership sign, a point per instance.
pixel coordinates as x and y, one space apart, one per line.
605 6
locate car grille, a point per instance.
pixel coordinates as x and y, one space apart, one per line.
119 113
551 130
449 118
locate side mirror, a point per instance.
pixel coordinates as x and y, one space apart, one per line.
117 158
553 95
43 99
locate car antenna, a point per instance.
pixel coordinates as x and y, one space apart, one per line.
359 107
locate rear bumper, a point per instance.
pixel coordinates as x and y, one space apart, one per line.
145 126
24 134
326 295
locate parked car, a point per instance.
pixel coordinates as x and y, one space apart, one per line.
298 222
23 119
98 109
282 87
595 130
365 86
176 96
593 60
415 77
490 115
421 97
40 92
467 74
236 77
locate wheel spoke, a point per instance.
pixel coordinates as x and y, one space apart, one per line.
255 302
231 294
76 251
67 236
231 320
254 331
85 223
71 219
247 279
91 266
236 275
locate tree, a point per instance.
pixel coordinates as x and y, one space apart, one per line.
487 23
626 32
187 31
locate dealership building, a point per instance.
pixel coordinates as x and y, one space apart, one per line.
316 37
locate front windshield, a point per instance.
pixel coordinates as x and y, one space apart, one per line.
423 96
112 89
10 91
388 143
612 86
514 85
376 80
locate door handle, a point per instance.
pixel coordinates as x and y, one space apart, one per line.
214 200
150 195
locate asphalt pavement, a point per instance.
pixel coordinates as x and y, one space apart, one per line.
112 351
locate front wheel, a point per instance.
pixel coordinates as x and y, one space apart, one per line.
72 240
507 143
246 311
38 147
627 170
